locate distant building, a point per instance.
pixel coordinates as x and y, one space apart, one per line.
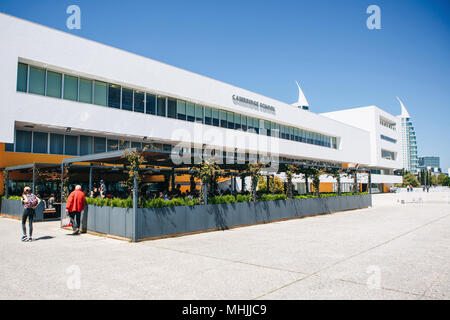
430 162
409 143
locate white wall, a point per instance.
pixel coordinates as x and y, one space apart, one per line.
63 52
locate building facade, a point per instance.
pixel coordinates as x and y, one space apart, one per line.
66 96
409 142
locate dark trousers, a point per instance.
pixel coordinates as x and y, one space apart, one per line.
75 217
27 213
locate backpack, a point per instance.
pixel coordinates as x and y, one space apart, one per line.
32 201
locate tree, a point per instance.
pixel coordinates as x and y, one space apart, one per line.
262 185
446 181
441 178
410 180
254 171
335 173
289 170
207 172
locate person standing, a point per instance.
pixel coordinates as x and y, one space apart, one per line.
75 204
30 202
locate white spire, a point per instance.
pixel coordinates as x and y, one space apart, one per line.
405 113
301 98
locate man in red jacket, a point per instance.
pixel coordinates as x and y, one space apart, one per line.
75 204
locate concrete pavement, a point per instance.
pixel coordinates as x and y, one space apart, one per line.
389 251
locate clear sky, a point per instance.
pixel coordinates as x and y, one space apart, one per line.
264 46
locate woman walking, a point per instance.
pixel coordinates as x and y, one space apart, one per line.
30 202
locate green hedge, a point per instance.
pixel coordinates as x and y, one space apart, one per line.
161 203
13 197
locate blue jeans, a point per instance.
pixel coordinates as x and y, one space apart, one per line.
75 217
27 213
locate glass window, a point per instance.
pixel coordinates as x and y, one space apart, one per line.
230 120
100 93
112 145
127 99
85 91
208 116
136 145
70 88
150 104
190 111
114 96
54 84
37 81
99 144
198 114
244 123
71 145
23 141
223 118
124 144
161 104
171 108
181 109
22 77
215 117
56 143
139 101
9 147
86 146
40 142
237 121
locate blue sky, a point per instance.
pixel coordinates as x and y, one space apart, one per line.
264 46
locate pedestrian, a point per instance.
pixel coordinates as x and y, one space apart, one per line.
30 202
75 204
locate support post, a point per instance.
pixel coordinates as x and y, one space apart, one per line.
231 183
369 179
7 184
62 183
267 183
205 192
34 179
91 169
135 204
172 179
339 184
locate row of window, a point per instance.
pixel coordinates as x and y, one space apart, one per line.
387 124
72 145
53 84
388 138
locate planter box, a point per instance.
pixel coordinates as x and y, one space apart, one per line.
15 208
159 222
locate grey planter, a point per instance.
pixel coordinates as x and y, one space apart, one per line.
159 222
15 208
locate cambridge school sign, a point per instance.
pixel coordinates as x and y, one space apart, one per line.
253 104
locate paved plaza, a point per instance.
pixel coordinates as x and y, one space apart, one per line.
389 251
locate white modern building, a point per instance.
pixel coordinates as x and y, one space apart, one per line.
384 141
65 96
409 142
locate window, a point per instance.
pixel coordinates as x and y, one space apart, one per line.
150 104
54 84
198 114
100 93
23 141
208 116
56 143
190 112
244 123
181 109
230 120
22 77
388 155
127 99
137 145
161 103
99 144
70 88
114 96
139 101
112 145
172 108
237 121
215 117
267 128
9 147
37 81
86 145
124 144
71 145
40 142
85 91
223 118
